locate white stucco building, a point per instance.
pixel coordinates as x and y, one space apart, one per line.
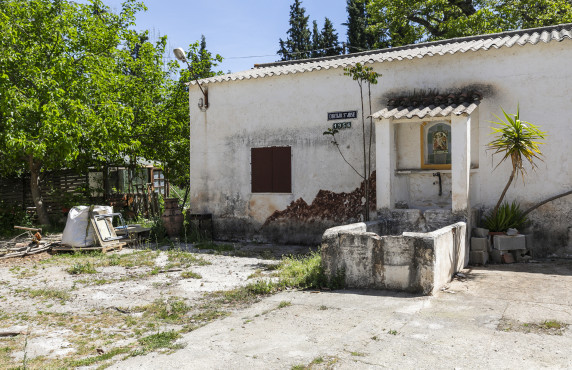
262 167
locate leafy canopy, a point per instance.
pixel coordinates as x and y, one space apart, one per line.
59 104
401 22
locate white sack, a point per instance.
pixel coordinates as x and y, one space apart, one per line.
78 221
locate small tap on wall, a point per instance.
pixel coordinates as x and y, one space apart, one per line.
438 174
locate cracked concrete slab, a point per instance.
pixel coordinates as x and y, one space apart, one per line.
350 329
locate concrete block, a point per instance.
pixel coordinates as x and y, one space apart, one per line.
509 243
397 277
496 256
478 257
479 232
480 244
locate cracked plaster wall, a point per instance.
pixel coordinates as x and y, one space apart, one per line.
292 110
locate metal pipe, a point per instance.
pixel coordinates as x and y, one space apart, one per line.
438 174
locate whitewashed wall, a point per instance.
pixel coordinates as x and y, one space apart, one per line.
291 110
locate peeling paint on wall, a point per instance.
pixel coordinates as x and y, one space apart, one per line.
328 205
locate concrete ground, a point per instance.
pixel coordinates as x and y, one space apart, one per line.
489 319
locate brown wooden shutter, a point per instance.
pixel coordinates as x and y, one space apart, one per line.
282 170
261 166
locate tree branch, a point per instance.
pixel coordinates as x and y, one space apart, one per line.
546 201
425 23
466 6
335 142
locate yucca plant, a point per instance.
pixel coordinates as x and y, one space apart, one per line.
506 216
517 140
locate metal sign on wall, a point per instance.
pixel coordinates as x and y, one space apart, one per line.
341 125
342 115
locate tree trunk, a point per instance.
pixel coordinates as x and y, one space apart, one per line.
35 168
187 188
505 190
546 201
366 190
369 151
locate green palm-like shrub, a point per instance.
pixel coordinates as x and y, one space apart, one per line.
507 216
517 140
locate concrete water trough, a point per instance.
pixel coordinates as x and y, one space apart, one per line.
382 255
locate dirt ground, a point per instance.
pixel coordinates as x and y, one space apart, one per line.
72 310
177 306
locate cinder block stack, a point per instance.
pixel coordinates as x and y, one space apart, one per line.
480 247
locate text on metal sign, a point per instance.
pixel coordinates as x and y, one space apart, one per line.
341 125
342 115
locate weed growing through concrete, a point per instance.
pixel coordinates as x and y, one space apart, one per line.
392 332
103 357
47 293
21 273
318 363
318 360
284 304
306 272
550 327
82 268
160 340
552 324
180 258
190 275
256 274
170 310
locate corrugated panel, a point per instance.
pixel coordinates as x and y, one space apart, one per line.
451 46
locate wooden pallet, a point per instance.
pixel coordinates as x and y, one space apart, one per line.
105 249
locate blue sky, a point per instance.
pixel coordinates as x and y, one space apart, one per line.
233 28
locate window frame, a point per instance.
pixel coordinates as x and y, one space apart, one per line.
278 167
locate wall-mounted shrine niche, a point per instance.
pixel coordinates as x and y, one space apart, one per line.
436 145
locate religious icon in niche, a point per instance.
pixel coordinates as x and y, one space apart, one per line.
437 144
440 142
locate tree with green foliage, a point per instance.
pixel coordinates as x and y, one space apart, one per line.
59 99
401 22
298 43
358 20
174 152
365 77
330 45
317 43
142 87
518 141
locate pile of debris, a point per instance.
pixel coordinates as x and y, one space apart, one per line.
87 228
33 245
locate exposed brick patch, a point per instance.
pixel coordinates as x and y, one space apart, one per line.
327 205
